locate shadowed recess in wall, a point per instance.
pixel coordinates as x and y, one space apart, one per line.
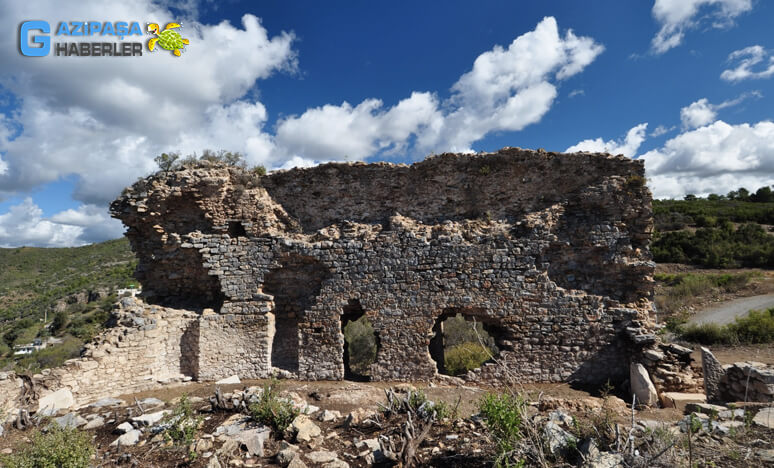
295 286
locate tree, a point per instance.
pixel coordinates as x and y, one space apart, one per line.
744 195
689 197
763 195
166 161
60 320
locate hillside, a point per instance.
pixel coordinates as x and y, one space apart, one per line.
719 231
75 282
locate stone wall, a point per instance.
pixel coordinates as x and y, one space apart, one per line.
146 346
550 250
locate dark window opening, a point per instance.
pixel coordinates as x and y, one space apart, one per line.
235 229
361 343
295 286
463 341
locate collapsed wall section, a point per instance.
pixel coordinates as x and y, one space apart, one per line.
551 249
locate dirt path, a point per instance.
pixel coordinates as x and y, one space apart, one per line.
726 312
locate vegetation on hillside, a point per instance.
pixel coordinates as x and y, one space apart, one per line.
719 231
38 283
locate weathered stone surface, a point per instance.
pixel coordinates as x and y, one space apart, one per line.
765 418
558 439
128 439
124 427
681 400
234 379
747 381
713 372
321 456
329 416
304 428
642 387
107 402
253 440
70 421
149 419
53 402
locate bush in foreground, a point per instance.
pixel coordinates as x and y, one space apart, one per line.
183 423
503 414
271 410
58 448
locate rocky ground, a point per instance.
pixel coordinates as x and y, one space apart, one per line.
355 424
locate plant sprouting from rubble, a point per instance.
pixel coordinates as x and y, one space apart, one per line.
183 424
503 414
271 409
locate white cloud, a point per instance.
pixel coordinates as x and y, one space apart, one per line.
702 112
661 130
338 132
628 146
748 58
506 90
24 224
678 16
105 122
576 92
716 158
697 114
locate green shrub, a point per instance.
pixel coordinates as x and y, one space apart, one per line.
755 328
260 170
706 333
184 423
443 410
503 414
361 343
465 357
271 410
58 448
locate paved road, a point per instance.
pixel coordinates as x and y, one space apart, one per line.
725 312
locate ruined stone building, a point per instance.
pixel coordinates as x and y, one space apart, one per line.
548 251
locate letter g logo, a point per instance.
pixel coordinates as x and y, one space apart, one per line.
44 41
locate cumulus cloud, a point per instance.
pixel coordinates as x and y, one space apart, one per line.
753 62
24 224
702 112
627 146
105 122
715 158
678 16
343 131
506 90
697 114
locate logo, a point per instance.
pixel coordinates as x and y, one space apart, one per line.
168 39
44 41
35 39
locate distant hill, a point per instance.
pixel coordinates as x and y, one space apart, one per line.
719 231
78 283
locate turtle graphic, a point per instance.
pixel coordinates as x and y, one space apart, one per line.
167 39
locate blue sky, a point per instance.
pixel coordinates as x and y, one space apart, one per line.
684 84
